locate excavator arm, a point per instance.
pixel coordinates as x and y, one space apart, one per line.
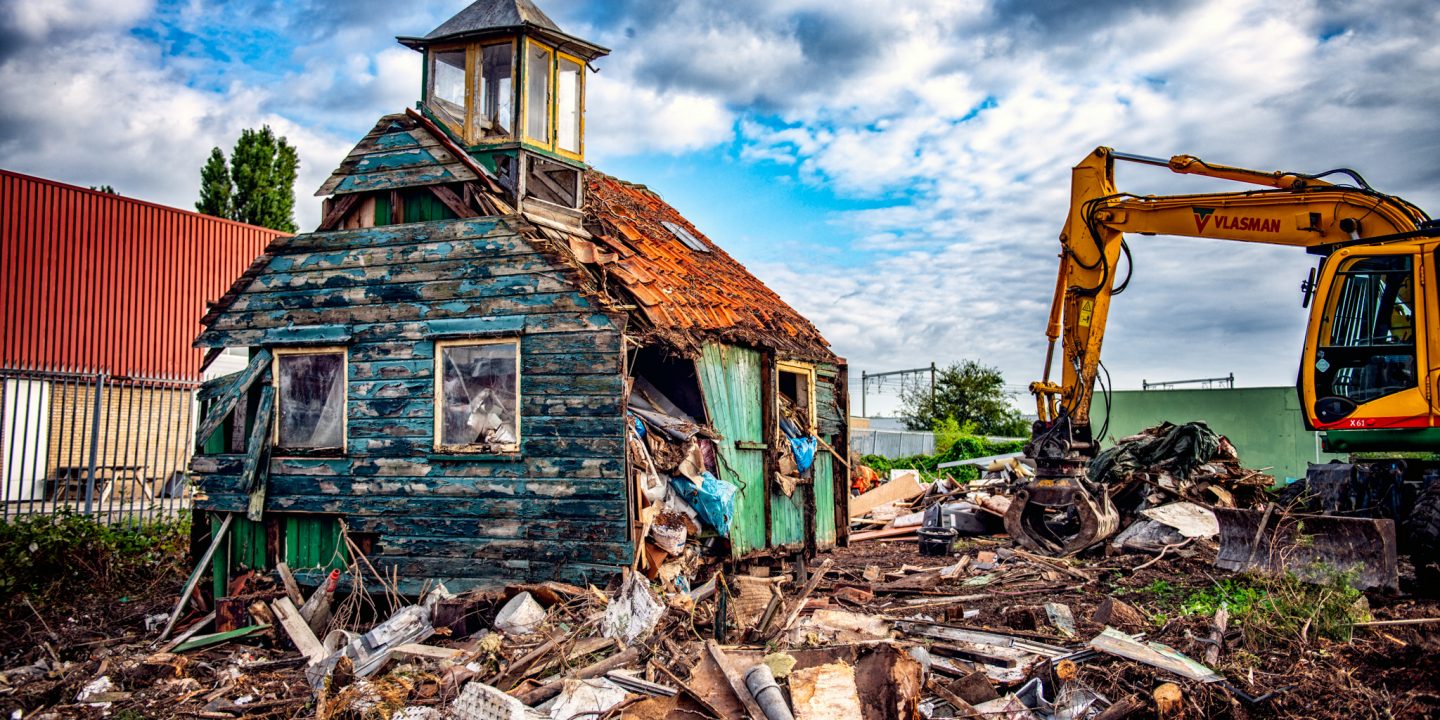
1291 209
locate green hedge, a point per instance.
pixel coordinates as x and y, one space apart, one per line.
964 447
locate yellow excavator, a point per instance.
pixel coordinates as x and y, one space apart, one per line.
1369 375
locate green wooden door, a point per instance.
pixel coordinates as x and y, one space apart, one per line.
730 377
824 499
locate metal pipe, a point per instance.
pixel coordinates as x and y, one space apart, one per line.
760 681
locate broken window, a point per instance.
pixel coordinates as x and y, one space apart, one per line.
684 236
568 105
494 96
478 396
310 390
538 66
797 396
447 86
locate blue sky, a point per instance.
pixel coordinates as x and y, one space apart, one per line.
896 170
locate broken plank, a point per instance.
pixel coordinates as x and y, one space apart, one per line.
737 685
195 577
195 628
217 638
226 400
428 652
287 578
300 634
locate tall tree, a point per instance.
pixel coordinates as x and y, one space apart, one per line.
259 185
966 393
215 187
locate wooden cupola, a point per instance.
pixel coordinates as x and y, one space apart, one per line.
509 85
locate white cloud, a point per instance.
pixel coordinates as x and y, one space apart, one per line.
40 19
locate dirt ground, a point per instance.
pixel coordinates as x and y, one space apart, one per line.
1388 671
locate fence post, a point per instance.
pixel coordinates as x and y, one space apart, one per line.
94 443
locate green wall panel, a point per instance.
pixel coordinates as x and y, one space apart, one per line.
824 499
313 542
730 377
787 518
1264 423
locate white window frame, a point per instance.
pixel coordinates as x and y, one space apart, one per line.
439 440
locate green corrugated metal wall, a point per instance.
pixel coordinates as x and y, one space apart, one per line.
1264 423
730 377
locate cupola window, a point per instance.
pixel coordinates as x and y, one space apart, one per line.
538 66
495 94
568 105
447 85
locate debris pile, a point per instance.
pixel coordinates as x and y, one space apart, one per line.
938 617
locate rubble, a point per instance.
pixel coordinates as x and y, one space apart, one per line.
875 630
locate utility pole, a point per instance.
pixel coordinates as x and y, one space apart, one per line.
867 377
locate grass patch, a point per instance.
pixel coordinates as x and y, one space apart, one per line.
61 558
1270 609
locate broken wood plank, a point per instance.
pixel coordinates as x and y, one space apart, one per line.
882 534
800 599
254 472
428 652
299 632
902 488
1217 636
292 588
1123 708
553 688
737 684
195 628
195 577
217 638
962 709
1118 614
226 399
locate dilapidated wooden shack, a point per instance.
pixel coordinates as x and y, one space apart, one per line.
492 363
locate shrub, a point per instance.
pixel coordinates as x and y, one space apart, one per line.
65 556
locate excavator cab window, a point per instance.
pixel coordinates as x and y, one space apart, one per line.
1367 349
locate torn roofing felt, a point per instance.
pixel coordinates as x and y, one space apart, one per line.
682 286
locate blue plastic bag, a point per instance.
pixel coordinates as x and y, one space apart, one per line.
714 500
804 448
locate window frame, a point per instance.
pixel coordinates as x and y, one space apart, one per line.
1325 335
547 142
430 61
279 352
578 153
806 371
476 68
438 444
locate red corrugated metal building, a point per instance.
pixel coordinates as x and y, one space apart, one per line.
95 281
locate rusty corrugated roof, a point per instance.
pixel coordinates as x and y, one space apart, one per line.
687 295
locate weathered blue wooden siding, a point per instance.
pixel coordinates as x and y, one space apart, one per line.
559 510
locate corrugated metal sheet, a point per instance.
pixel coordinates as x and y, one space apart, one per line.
98 281
680 290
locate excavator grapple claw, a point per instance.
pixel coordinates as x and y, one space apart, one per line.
1059 523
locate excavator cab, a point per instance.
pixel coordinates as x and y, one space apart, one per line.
1367 365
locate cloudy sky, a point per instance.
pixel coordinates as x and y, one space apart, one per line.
896 169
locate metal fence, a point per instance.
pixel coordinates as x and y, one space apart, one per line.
892 443
85 442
